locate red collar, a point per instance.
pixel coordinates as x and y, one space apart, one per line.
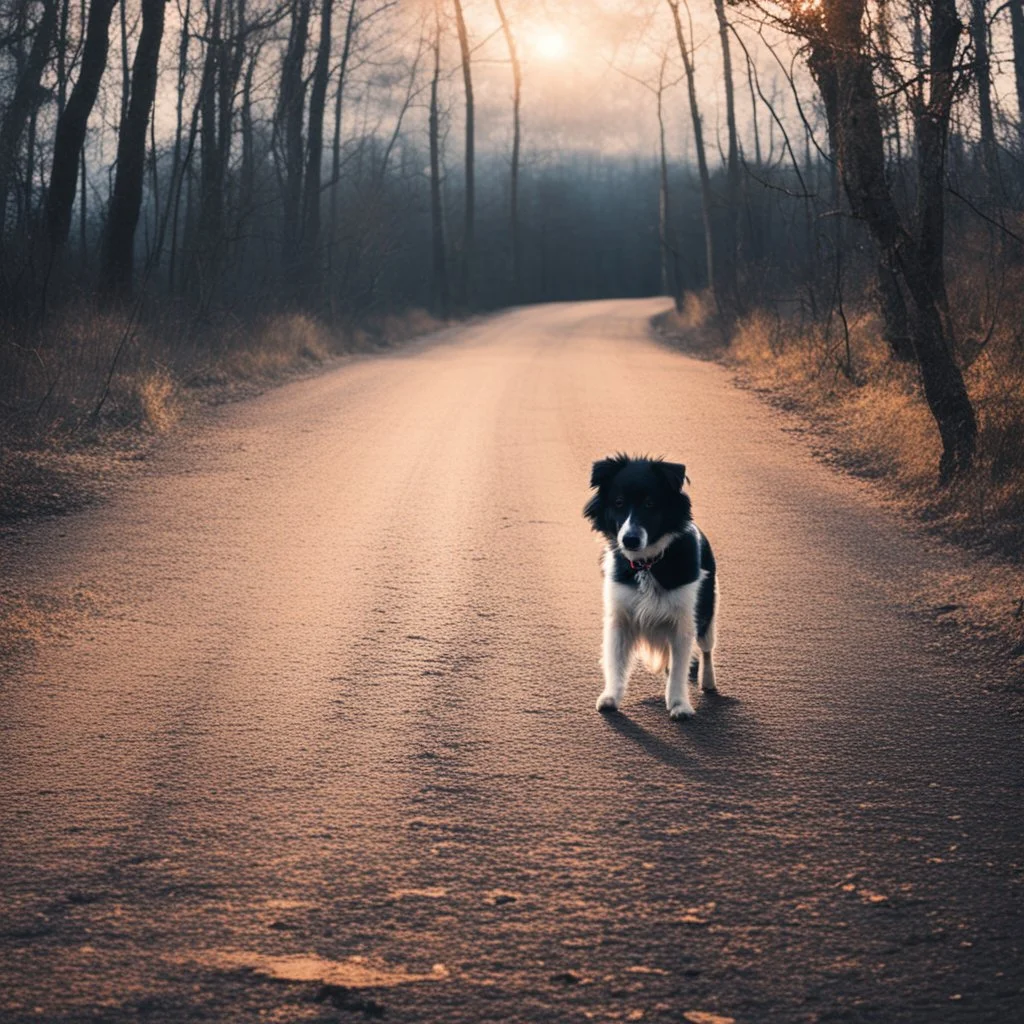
643 564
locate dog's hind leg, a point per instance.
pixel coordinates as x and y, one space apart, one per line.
707 614
615 660
706 643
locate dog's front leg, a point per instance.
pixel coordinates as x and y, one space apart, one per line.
618 648
677 700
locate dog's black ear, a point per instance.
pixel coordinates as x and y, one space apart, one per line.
675 473
603 470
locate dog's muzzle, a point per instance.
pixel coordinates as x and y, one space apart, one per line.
632 538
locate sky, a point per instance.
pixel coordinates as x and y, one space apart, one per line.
581 61
577 56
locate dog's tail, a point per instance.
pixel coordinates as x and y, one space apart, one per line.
655 659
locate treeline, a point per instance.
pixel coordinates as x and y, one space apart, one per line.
255 156
916 153
208 157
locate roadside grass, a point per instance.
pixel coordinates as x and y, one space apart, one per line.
86 395
870 415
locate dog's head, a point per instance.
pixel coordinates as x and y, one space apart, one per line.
639 505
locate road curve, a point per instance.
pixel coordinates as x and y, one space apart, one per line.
330 696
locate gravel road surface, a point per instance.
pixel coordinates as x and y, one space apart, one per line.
318 739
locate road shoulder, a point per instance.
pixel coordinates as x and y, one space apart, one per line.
976 600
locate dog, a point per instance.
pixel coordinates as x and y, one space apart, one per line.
660 579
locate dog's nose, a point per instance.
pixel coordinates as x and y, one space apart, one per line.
631 541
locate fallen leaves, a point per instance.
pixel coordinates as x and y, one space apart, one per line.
432 892
355 972
703 1017
872 897
697 916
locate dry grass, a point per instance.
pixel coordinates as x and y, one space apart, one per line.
870 414
873 410
82 400
81 396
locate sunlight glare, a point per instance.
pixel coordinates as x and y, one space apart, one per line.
551 44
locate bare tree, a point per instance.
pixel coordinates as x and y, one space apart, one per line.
23 102
73 123
733 200
517 93
438 245
706 196
983 82
469 222
315 146
841 62
212 176
1017 31
346 50
126 197
670 263
289 124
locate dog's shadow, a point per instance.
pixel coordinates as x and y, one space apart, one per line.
709 733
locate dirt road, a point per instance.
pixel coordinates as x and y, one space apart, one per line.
330 695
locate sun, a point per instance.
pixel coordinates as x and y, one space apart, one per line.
551 44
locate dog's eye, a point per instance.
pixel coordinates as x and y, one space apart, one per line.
649 503
620 501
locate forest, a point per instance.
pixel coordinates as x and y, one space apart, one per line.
836 183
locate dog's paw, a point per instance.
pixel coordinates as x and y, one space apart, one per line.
681 712
607 702
707 683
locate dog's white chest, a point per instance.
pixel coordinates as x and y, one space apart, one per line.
649 605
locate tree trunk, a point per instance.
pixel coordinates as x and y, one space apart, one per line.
202 271
30 166
1017 27
174 186
735 211
983 79
24 101
663 206
931 125
315 148
126 75
247 174
671 273
73 123
438 245
753 114
517 91
896 328
153 254
339 97
706 198
126 198
183 227
841 64
469 228
290 116
63 49
83 214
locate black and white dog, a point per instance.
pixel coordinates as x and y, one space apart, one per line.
660 587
